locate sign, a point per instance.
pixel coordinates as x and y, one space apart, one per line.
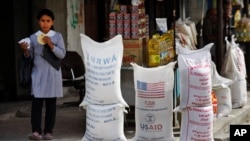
239 132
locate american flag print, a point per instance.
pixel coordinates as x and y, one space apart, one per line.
150 90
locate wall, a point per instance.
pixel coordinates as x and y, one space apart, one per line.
75 24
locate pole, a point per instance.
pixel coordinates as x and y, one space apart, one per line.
220 39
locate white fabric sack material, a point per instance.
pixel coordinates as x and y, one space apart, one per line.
154 102
197 124
102 70
234 68
105 123
224 102
220 85
186 29
239 93
195 76
194 31
217 80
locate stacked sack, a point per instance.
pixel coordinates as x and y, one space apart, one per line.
234 68
220 86
103 99
154 102
195 93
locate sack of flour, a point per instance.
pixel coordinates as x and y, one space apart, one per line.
197 124
154 102
195 76
224 102
104 123
234 68
102 70
220 85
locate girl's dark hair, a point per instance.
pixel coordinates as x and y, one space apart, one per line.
46 12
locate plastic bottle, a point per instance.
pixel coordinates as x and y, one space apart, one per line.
154 51
237 17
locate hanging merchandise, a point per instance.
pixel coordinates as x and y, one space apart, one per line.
186 32
161 24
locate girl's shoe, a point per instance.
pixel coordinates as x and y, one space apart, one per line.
48 136
35 136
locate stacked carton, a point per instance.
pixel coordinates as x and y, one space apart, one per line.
131 22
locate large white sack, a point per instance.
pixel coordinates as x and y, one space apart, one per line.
195 76
102 70
239 93
219 81
234 68
224 102
197 124
104 123
154 102
220 85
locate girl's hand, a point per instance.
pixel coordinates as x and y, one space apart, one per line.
24 47
47 40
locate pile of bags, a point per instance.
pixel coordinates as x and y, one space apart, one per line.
103 101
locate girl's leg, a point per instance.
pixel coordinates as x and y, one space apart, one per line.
36 115
50 114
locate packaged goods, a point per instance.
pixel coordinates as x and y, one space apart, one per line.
154 51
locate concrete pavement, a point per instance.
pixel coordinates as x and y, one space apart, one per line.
70 122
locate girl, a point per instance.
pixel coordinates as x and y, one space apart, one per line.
46 80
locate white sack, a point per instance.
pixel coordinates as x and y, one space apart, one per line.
222 91
154 102
224 102
234 68
195 76
217 80
197 124
239 93
104 123
102 70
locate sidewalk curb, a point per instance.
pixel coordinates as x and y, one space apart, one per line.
237 116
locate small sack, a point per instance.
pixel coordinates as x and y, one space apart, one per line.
25 69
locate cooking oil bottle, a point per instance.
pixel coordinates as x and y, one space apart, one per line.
237 17
154 51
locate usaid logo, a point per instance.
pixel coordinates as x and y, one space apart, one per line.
150 126
239 132
150 118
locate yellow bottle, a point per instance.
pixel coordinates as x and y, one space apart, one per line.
154 51
237 17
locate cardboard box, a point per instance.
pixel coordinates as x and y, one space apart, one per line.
133 51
